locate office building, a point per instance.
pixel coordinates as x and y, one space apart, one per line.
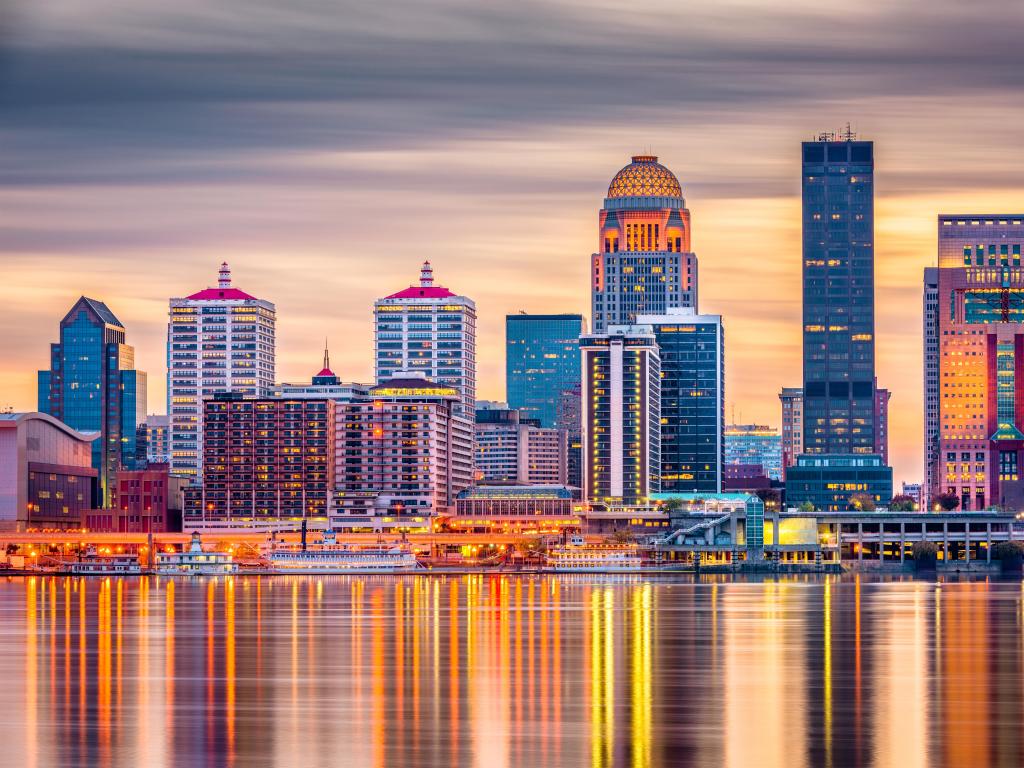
834 482
513 449
47 477
92 386
570 420
838 295
931 382
542 361
752 444
430 331
324 385
981 361
621 415
145 501
882 423
218 340
644 264
267 463
153 442
692 358
792 400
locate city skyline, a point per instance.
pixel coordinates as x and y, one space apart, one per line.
296 211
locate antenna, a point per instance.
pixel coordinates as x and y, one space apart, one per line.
849 134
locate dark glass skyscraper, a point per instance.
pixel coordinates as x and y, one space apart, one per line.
542 360
838 295
92 386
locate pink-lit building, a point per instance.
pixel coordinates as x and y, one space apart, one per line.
792 401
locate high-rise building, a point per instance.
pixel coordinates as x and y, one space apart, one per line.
403 455
92 386
838 295
931 383
980 337
621 415
153 445
266 463
542 360
514 449
882 423
644 264
570 420
753 444
792 400
691 350
430 331
218 340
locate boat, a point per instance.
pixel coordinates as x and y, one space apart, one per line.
95 564
195 562
328 556
579 557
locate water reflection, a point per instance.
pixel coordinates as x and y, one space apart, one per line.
511 671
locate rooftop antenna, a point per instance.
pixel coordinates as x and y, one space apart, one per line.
849 134
327 356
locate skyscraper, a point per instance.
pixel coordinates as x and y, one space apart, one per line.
511 448
882 423
92 386
931 383
838 295
218 340
792 400
644 264
754 444
430 332
980 336
691 350
542 360
621 415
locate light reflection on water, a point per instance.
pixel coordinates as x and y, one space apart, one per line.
510 671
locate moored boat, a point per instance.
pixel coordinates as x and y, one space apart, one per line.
328 556
579 557
195 562
95 564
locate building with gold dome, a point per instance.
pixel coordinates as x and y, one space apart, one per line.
644 264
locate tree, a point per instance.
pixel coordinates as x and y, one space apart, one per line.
862 502
771 497
948 501
806 506
902 503
925 551
1008 550
673 504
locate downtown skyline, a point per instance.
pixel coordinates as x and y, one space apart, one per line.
500 198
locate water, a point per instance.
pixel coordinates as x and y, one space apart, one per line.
510 671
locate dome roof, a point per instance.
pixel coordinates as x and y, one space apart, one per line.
645 177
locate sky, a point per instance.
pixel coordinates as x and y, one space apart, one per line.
325 148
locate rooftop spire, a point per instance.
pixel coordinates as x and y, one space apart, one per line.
327 356
426 275
224 278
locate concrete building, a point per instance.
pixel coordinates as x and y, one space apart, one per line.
882 397
980 361
514 449
570 410
621 414
403 454
754 444
931 382
92 386
644 264
792 400
145 500
267 464
831 481
691 351
528 509
218 340
542 362
47 478
153 442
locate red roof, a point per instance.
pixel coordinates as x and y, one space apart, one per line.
209 294
325 372
418 292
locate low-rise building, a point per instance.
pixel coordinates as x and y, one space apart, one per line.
832 481
148 500
516 508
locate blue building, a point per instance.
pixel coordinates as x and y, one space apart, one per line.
692 352
542 361
750 444
92 386
831 481
838 295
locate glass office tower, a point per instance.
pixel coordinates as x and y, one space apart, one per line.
838 295
542 361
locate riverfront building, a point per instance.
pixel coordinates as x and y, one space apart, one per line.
644 264
516 509
218 340
931 383
542 363
621 414
513 449
754 444
829 481
145 500
92 386
980 335
691 351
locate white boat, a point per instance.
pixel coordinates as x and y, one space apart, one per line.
580 557
195 562
330 557
94 564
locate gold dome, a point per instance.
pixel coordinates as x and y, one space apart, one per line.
645 177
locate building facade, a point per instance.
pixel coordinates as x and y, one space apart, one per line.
831 481
882 423
691 349
267 463
570 405
644 264
838 295
147 500
981 361
403 453
218 340
153 444
621 415
754 444
792 401
516 509
542 361
92 386
931 383
431 332
514 449
47 477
